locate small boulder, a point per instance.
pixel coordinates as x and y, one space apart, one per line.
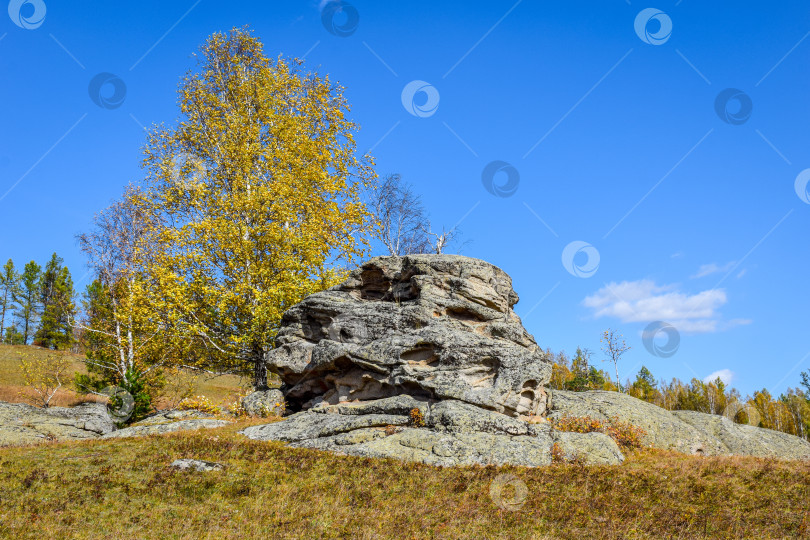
196 465
264 403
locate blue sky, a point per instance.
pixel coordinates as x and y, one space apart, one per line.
607 136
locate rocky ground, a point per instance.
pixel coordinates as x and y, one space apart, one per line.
436 336
422 358
22 424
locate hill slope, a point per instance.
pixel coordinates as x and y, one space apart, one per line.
125 488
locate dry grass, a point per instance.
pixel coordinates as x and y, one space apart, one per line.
12 386
124 489
13 390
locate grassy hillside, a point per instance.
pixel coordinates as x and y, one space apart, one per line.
124 489
11 378
12 384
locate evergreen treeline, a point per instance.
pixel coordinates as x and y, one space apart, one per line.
37 305
789 412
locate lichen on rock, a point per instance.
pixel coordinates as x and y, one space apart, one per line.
429 326
433 333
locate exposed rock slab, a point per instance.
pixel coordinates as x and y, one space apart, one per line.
744 440
169 422
663 429
688 432
22 424
455 433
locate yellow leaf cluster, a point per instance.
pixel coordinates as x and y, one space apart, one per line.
257 196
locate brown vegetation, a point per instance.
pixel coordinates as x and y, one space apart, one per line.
14 390
124 488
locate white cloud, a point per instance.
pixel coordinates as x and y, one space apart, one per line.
725 375
713 268
644 301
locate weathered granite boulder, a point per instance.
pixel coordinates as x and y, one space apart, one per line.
264 403
168 422
429 326
432 333
22 424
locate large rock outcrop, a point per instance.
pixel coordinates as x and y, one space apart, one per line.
422 358
433 327
433 333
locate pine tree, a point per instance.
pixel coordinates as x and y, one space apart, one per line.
9 283
27 298
644 386
56 296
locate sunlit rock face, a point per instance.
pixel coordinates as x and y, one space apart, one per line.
433 327
419 358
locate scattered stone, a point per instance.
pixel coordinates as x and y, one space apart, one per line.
196 465
22 424
264 403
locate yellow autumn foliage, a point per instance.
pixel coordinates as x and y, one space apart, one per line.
256 193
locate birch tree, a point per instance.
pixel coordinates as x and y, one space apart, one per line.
614 347
121 337
401 218
257 195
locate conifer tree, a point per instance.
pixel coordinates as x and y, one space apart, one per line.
27 299
9 283
56 297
